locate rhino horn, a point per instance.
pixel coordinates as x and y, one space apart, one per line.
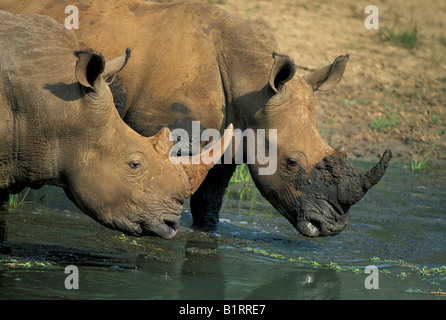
197 166
351 191
370 178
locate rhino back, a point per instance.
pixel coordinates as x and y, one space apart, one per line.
189 62
196 60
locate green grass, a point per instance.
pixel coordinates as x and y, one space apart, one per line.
241 174
442 40
14 199
243 190
407 38
436 119
390 120
417 165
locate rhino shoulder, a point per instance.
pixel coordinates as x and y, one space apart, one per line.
32 46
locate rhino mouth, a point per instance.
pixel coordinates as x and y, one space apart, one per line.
322 219
166 228
162 221
317 228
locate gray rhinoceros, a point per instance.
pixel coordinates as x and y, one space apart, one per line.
59 126
195 61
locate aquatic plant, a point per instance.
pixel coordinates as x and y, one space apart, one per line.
375 260
412 269
334 266
403 275
14 263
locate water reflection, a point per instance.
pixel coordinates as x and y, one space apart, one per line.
208 280
4 248
402 218
308 284
198 266
201 274
208 271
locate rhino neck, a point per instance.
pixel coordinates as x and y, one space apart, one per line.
28 163
27 157
37 137
245 60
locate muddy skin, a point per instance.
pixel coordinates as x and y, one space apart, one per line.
328 192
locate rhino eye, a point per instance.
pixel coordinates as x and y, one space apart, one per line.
291 162
134 164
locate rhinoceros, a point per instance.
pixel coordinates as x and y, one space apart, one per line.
195 61
59 126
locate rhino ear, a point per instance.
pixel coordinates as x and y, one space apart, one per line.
114 66
327 77
89 67
282 71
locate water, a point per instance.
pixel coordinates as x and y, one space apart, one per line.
254 253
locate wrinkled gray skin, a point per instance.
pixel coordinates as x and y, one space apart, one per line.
59 126
197 62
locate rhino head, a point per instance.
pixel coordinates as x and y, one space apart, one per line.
120 178
74 138
314 186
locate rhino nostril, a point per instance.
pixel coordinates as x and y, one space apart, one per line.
170 224
316 224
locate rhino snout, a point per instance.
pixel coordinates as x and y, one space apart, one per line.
321 217
166 228
329 190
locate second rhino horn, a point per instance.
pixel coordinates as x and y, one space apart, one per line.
197 166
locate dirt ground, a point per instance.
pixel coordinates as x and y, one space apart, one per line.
391 96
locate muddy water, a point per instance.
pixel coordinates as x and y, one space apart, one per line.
399 227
